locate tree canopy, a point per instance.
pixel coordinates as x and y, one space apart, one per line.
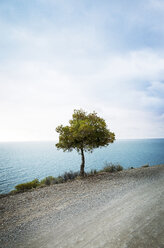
85 132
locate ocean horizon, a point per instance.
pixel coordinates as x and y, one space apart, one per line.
25 160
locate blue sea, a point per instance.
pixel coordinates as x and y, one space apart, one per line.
24 161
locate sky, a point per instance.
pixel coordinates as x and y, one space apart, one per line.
58 55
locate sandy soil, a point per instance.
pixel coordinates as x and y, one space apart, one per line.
124 209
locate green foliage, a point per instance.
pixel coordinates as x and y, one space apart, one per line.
146 165
48 180
92 172
85 132
70 175
119 167
59 180
27 186
109 167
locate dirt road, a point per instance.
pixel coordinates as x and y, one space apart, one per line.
106 211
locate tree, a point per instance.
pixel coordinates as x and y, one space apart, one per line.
85 132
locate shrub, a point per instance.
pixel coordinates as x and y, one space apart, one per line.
47 180
70 175
59 180
146 165
28 185
92 172
119 167
112 168
109 167
54 180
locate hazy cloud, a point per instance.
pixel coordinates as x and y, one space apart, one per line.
57 56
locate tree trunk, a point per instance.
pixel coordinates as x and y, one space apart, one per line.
82 163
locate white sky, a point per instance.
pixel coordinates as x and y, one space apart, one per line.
56 56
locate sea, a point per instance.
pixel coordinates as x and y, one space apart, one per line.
24 161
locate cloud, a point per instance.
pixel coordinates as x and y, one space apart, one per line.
157 88
41 97
157 5
58 56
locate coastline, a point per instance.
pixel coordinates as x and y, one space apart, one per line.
45 216
26 162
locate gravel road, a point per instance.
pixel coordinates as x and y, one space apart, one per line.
124 209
